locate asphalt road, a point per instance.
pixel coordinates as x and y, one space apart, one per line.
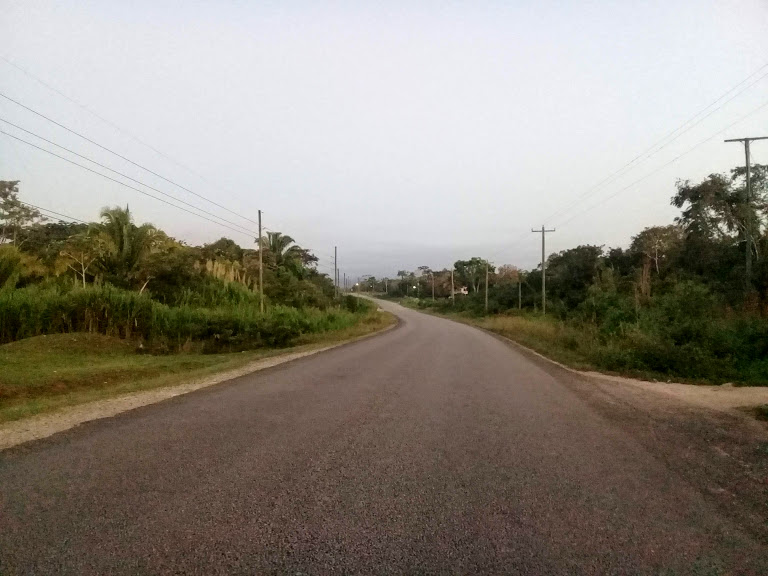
433 448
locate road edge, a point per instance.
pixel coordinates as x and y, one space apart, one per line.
740 403
41 426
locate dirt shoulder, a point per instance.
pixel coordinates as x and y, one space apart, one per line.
713 397
705 434
41 426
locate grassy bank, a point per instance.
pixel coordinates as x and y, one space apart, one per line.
46 372
709 352
228 326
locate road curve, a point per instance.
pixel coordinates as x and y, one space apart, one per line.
433 448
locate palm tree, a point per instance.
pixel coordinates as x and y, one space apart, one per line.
283 248
126 243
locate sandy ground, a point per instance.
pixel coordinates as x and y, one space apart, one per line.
725 397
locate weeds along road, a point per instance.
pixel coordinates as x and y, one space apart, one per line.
432 448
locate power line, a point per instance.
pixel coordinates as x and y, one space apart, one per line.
648 175
122 183
659 145
124 158
61 215
96 115
675 159
127 177
41 209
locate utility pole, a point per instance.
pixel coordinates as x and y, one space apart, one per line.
261 271
345 282
453 290
386 285
486 287
747 204
336 271
433 286
543 233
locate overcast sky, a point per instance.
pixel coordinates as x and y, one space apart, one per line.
406 133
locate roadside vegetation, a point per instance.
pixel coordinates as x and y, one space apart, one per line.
51 371
677 303
87 310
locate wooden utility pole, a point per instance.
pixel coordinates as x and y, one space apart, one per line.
261 271
543 233
486 287
747 205
453 290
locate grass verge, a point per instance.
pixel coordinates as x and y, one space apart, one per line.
576 347
44 373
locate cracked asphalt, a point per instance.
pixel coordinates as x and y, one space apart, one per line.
433 448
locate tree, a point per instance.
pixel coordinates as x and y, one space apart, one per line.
223 248
571 272
472 272
16 266
82 253
714 219
126 244
46 241
508 274
710 209
282 251
14 214
168 268
656 245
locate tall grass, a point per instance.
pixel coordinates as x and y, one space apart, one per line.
115 312
730 350
684 333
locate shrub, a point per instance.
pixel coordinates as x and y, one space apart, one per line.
116 312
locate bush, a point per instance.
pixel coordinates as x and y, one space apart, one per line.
115 312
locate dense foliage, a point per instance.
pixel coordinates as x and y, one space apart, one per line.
117 278
113 311
677 301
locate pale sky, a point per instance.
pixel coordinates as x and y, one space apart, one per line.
406 133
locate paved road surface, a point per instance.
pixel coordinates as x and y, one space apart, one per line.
433 448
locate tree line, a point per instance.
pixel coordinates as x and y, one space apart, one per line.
143 258
677 300
133 280
706 245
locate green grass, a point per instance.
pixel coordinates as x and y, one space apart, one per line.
44 373
581 347
229 327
